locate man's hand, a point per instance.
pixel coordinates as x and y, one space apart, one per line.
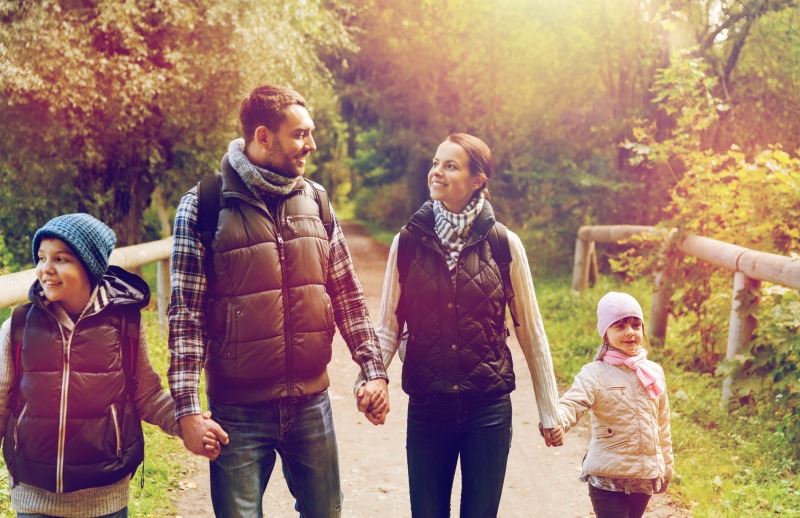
202 435
373 399
552 436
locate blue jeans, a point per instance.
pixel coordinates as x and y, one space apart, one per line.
122 513
440 429
301 431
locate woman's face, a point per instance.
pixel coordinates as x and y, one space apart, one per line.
450 180
626 335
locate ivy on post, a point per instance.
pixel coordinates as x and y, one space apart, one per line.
742 324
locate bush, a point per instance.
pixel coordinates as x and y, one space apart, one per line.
385 205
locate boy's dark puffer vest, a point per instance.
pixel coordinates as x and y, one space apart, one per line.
270 319
456 327
72 424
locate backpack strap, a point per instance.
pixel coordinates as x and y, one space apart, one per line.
406 248
501 253
209 202
324 204
129 345
18 316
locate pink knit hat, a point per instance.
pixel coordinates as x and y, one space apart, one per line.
615 306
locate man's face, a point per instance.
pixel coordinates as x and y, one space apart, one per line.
292 143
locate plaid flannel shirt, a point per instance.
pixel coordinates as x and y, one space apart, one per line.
187 331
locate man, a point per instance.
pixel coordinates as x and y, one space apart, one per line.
259 315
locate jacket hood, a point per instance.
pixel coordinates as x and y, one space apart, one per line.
124 287
117 286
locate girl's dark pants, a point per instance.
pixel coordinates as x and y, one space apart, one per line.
612 504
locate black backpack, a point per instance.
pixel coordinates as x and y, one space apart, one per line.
210 201
501 253
129 347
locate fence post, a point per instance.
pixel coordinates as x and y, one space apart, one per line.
580 267
659 312
162 274
742 324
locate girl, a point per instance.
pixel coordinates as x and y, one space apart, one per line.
76 384
630 454
449 278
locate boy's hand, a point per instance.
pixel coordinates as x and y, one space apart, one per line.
552 436
195 428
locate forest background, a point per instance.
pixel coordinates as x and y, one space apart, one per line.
682 113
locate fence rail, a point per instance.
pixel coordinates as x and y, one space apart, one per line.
14 286
749 268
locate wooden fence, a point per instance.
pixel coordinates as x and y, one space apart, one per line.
749 268
14 286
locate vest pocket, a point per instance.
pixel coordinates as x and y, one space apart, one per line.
16 427
222 327
305 226
117 434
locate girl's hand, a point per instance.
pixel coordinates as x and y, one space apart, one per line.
552 436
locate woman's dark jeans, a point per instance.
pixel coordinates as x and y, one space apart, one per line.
442 428
613 504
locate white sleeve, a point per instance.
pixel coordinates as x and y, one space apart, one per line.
531 336
387 327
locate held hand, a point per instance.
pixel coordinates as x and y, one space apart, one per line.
373 400
199 434
210 442
552 436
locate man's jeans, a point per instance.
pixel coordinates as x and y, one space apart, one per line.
440 429
301 431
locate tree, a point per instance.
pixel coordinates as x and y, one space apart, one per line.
134 95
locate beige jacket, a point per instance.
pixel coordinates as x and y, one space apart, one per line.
630 431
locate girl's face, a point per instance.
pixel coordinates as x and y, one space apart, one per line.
450 180
626 335
62 276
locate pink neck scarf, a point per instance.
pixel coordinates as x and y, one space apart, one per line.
637 363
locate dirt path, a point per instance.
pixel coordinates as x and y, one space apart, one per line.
539 481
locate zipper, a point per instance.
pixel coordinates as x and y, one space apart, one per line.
16 426
62 416
116 429
287 325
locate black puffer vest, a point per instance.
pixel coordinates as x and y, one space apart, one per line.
72 424
270 319
456 328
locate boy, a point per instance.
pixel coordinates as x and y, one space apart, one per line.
75 378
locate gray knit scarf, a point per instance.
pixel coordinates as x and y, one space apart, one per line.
454 227
259 180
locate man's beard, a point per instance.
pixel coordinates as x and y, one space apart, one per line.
281 163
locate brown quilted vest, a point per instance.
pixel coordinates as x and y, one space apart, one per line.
456 326
270 319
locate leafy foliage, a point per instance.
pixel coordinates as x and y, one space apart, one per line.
134 95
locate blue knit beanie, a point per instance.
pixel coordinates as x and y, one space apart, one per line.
89 238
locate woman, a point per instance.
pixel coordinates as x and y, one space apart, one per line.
456 364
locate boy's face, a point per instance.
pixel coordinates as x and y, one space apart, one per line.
62 275
626 335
